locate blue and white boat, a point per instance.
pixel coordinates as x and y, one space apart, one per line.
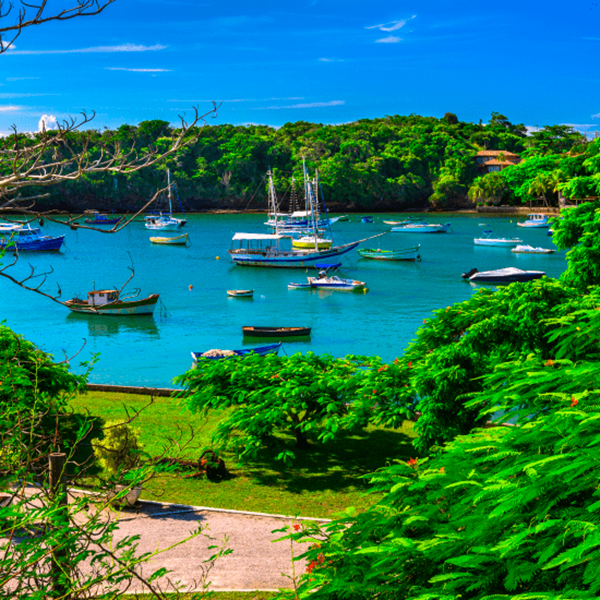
224 354
535 220
27 238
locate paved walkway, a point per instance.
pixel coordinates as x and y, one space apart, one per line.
256 563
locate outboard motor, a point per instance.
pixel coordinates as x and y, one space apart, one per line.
468 274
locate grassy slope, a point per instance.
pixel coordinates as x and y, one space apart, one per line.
321 483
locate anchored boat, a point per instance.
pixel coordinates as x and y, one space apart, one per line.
108 302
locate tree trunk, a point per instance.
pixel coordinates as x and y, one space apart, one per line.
301 439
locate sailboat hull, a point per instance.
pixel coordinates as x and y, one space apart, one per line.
286 259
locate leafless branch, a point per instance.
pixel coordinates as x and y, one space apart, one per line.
36 14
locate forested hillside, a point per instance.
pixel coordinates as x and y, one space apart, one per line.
393 163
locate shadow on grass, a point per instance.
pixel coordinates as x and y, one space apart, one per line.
335 465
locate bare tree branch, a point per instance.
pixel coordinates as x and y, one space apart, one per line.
36 14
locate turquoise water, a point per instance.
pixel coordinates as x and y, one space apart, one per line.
151 351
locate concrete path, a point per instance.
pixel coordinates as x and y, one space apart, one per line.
256 563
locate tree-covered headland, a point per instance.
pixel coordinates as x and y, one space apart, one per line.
393 163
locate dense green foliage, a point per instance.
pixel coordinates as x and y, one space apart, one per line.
507 511
390 163
310 394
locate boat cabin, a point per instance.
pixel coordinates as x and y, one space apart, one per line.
256 242
537 217
101 297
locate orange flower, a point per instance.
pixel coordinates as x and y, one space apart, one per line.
549 363
443 470
296 526
410 364
411 462
574 401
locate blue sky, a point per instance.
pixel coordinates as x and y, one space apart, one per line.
327 61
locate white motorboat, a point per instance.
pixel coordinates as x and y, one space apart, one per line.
527 249
487 240
422 228
502 276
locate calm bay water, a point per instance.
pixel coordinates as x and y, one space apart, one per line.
151 351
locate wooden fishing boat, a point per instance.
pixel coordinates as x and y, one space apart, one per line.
411 253
240 293
108 302
178 240
276 331
224 354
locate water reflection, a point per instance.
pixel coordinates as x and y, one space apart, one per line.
102 325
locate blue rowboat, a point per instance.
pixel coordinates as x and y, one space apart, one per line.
220 354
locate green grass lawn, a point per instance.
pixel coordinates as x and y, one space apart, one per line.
322 482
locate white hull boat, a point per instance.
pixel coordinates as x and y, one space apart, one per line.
502 276
486 240
422 228
526 249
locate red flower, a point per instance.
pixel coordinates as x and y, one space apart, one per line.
574 401
296 526
410 364
443 470
275 377
396 361
374 391
384 368
411 462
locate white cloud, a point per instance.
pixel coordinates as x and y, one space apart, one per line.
97 49
9 108
596 116
309 105
392 25
47 122
20 78
388 40
138 70
16 95
331 60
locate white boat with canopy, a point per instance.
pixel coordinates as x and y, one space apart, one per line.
269 250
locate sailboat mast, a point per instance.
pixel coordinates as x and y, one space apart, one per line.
170 192
273 201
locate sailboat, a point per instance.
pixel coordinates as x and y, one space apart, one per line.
265 250
164 221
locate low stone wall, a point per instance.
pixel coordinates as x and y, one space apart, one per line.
518 210
126 389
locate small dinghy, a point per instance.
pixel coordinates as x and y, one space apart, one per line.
217 354
240 293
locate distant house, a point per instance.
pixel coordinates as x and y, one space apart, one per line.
495 160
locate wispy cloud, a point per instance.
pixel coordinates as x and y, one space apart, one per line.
7 95
138 70
20 78
308 105
241 100
390 39
596 116
392 25
331 60
9 108
95 49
